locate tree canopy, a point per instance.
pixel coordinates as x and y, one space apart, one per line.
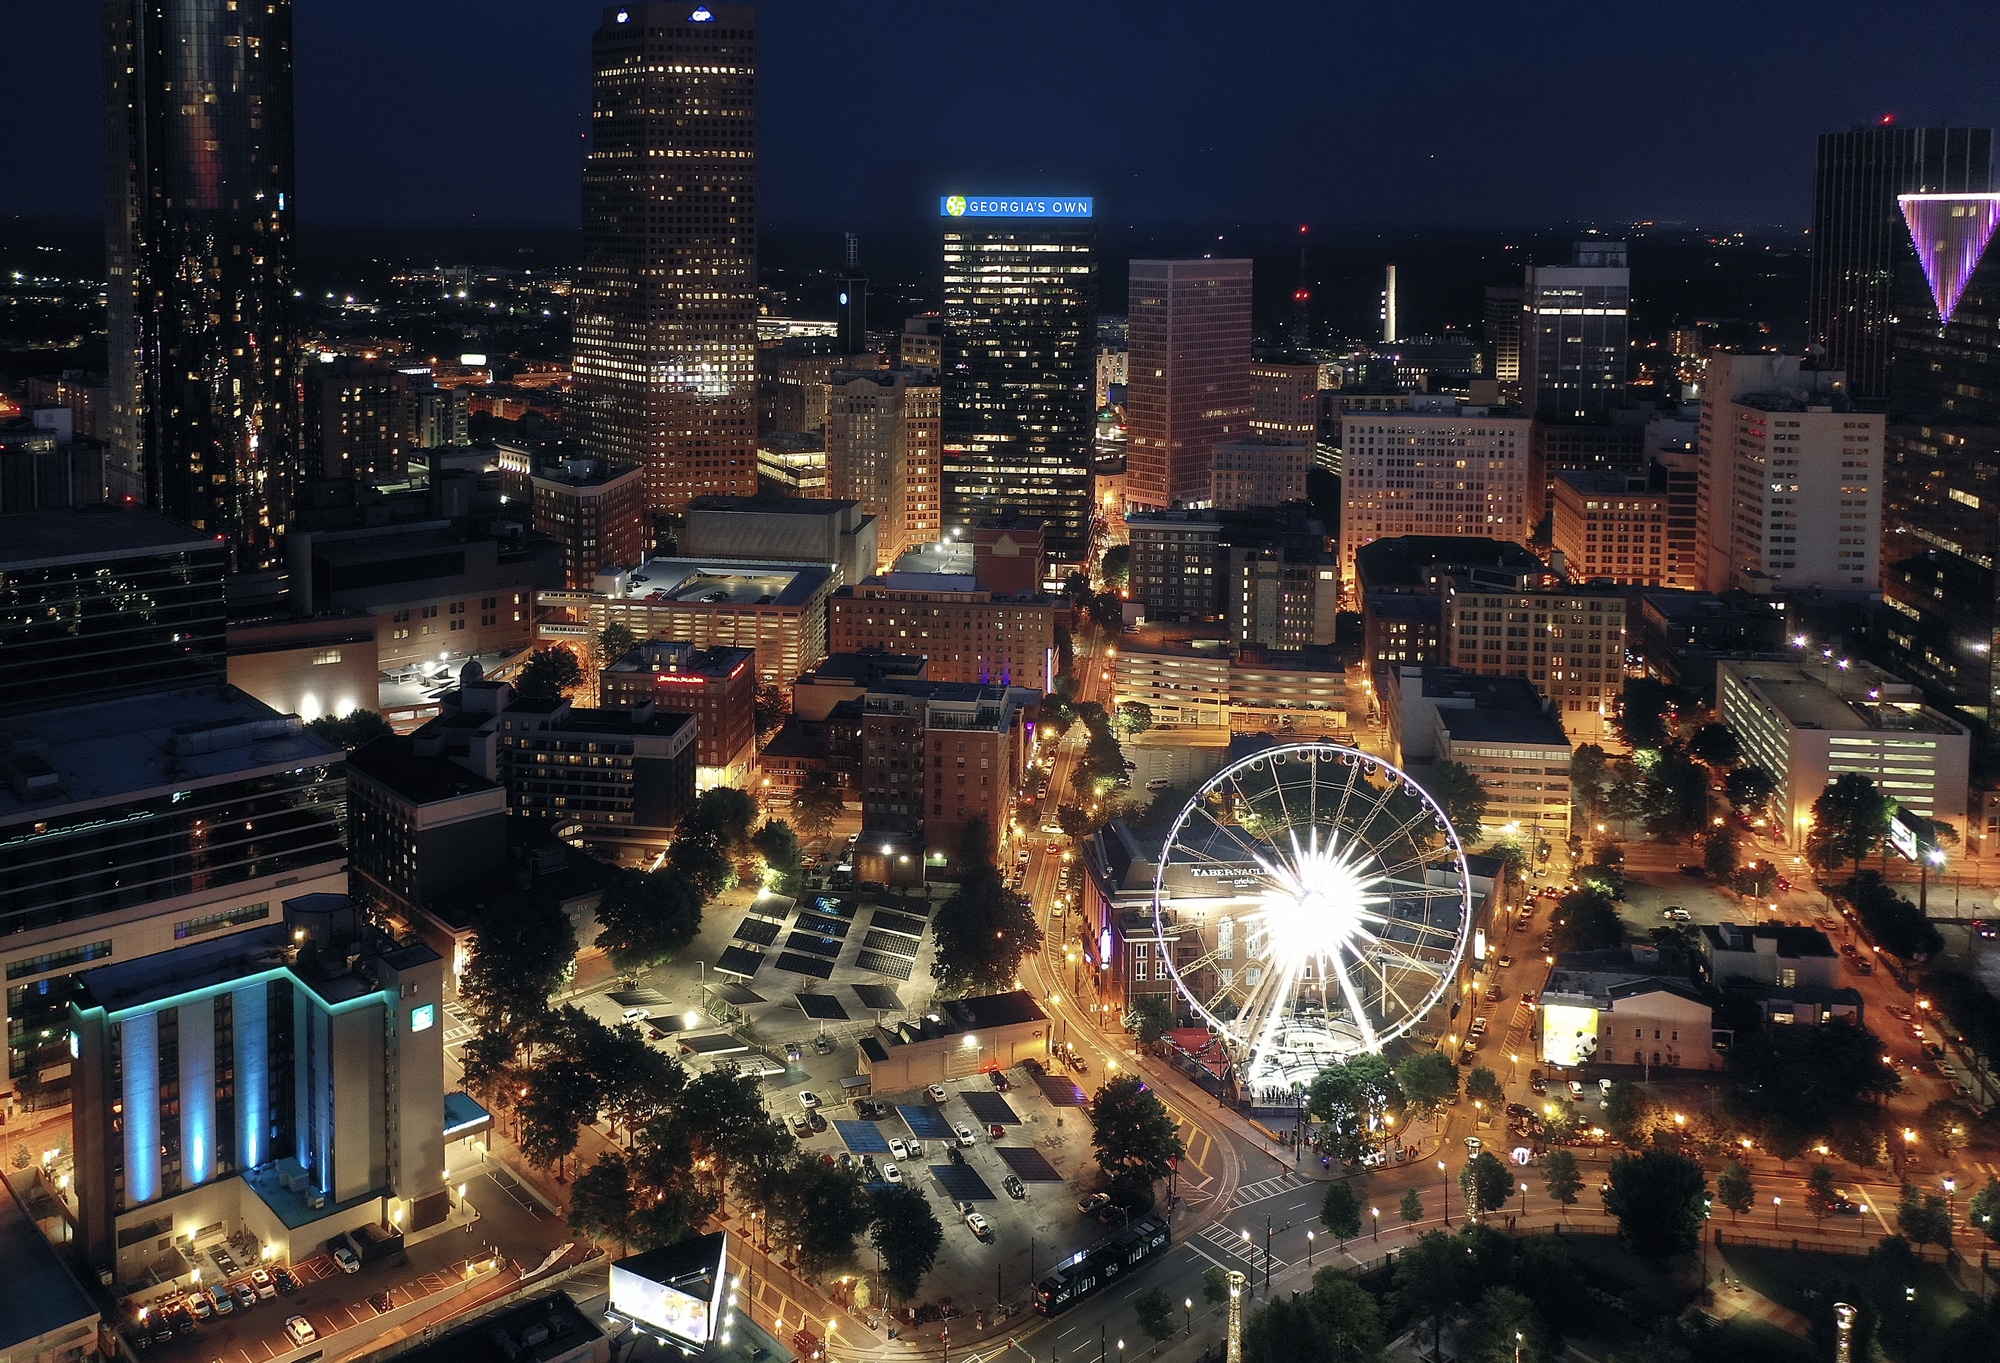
550 673
1850 819
818 803
1659 1199
984 929
355 729
1459 793
1335 1321
1354 1102
1135 1137
907 1234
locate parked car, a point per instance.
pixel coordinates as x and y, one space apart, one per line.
965 1136
891 1174
261 1279
300 1331
344 1256
1505 962
380 1301
223 1303
816 1122
1015 1188
999 1081
637 1014
201 1304
898 1149
936 1094
980 1229
1536 1083
1094 1203
245 1294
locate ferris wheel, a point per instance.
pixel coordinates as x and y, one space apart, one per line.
1331 901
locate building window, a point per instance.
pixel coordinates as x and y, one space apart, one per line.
325 656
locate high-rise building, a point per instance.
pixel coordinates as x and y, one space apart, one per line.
1188 349
970 632
1503 333
1284 400
666 300
1567 641
1790 479
360 420
1020 337
1858 235
1628 527
1574 332
595 509
198 250
882 451
852 302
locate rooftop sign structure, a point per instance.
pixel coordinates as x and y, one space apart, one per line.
1950 232
1011 206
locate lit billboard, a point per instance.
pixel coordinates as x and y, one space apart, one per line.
1012 206
1569 1033
665 1292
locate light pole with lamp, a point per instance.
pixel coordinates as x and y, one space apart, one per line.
1376 1212
1950 1199
1444 1181
1309 1249
1776 1202
1187 1305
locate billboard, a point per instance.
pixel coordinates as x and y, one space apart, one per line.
1012 206
679 1300
1569 1034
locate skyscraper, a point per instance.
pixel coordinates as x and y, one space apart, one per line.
666 302
1188 386
882 451
1574 332
1020 330
1858 234
198 250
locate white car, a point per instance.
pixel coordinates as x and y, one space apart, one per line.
637 1014
936 1094
965 1136
891 1174
979 1226
344 1256
899 1150
808 1099
300 1331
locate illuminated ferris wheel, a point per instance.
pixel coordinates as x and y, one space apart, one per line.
1332 902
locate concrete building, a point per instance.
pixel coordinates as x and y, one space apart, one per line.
1612 443
882 452
1807 724
46 1316
307 665
791 465
1769 953
1188 342
1575 329
288 1081
596 510
777 609
1567 641
360 421
1205 684
938 756
131 826
420 829
968 632
1609 1008
1502 347
843 677
791 385
1284 400
1401 583
718 686
1498 727
619 780
1258 471
550 1328
920 345
962 1038
1284 597
1292 692
1791 478
1628 529
45 466
1681 635
1173 575
837 532
1184 682
1446 470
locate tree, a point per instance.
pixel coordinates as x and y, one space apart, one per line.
1586 920
1504 1327
820 1208
1676 792
1431 1276
1750 789
1459 793
1155 1310
550 673
1659 1199
1151 1018
768 709
600 1201
1354 1102
1116 569
1561 1178
1482 1086
1983 1211
1134 717
1560 1119
779 847
645 918
1429 1080
907 1236
1715 746
1796 1082
1850 819
355 729
1214 1285
1647 712
818 803
1589 770
1924 1218
1819 1182
613 642
1486 1182
522 950
1628 1113
1734 1190
1135 1138
1411 1208
1334 1322
984 929
1719 853
1894 922
1340 1210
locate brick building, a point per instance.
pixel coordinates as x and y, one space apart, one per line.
969 632
718 686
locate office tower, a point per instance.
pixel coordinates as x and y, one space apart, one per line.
1568 642
1020 335
360 420
1389 333
1574 332
852 301
666 300
1284 400
882 451
198 250
1790 477
921 345
1503 333
1858 234
1940 534
1258 471
1438 469
1188 358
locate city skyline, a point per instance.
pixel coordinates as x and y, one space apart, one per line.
1148 157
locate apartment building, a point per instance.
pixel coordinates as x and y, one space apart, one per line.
969 633
1567 641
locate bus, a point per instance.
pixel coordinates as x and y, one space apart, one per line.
1092 1270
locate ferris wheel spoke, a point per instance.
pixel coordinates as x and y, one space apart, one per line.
1388 989
1412 924
1421 858
1354 1006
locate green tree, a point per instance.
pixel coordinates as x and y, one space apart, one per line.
600 1201
1151 1018
1340 1211
1411 1208
1429 1080
768 709
550 673
1647 712
907 1235
1850 819
1431 1277
821 1209
1750 789
1353 1102
1895 923
1561 1178
522 950
1135 1138
1734 1189
1589 773
984 929
1719 853
1795 1082
1715 746
1924 1218
1460 794
1560 1119
1628 1113
818 803
613 642
355 729
1486 1182
779 847
1676 793
1505 1326
1659 1199
1983 1211
646 918
1586 920
1214 1285
1482 1086
1334 1322
1134 717
1155 1310
1116 569
1076 822
1819 1182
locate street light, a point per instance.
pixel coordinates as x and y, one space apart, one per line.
1309 1249
1187 1305
1950 1197
1376 1212
1774 1210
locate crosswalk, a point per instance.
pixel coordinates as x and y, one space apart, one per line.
1230 1241
1270 1187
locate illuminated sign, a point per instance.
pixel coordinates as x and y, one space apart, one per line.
1479 944
1104 945
1950 233
1002 206
1230 871
423 1017
1569 1033
668 1292
700 16
1904 837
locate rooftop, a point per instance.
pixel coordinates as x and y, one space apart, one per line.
1481 725
584 472
87 534
1398 562
42 1296
774 506
544 1327
128 985
107 749
723 582
391 761
1786 942
868 665
680 656
1808 702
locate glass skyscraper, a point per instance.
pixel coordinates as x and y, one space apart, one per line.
1858 234
198 251
666 303
1020 328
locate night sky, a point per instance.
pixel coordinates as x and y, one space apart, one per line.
464 114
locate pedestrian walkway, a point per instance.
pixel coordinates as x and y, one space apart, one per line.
1258 1192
